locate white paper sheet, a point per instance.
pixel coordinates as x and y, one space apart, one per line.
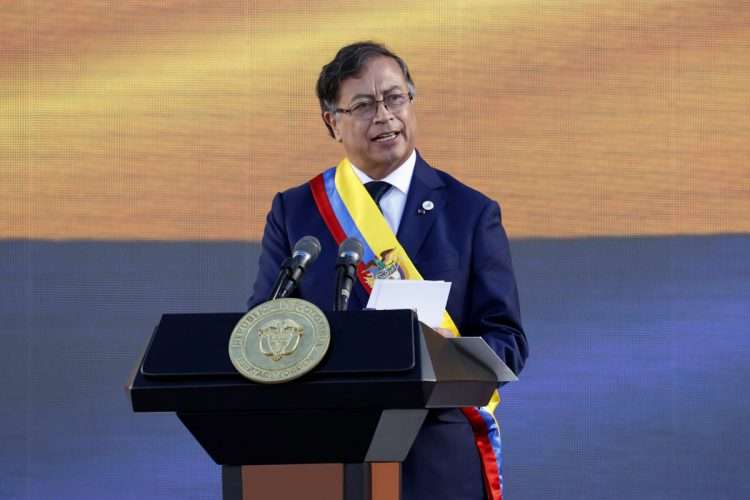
428 298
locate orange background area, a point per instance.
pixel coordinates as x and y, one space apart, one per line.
180 120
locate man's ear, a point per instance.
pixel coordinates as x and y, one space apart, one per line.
330 120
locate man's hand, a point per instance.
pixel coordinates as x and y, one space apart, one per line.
444 332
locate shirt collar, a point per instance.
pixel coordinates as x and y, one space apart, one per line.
399 178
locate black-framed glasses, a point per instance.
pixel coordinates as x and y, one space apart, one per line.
367 109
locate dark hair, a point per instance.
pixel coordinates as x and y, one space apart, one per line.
348 63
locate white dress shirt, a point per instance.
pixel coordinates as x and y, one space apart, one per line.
392 203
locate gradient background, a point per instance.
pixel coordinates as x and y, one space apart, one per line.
141 144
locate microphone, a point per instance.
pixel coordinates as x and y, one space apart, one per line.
349 255
306 250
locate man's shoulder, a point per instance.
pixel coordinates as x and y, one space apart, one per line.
299 192
458 190
296 192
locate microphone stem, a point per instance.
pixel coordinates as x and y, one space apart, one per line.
344 282
337 302
282 279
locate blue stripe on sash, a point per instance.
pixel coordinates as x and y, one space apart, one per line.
342 213
493 433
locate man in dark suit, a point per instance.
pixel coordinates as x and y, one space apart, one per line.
450 231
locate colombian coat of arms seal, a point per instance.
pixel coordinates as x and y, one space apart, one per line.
279 340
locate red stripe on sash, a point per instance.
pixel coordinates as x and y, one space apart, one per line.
490 466
318 189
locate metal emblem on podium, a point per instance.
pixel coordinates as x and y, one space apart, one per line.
279 340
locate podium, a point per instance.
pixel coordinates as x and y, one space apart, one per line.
363 404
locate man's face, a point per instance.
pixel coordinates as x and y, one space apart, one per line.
371 144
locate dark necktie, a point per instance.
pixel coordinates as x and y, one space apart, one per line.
377 190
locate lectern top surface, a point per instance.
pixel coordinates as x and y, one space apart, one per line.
196 345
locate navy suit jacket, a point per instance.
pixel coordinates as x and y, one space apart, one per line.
460 240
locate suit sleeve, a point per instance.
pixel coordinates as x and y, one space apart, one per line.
275 248
494 311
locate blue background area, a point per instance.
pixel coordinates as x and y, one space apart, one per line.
635 388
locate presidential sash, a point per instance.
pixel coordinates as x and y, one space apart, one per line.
349 211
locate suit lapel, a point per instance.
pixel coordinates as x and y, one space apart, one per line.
416 222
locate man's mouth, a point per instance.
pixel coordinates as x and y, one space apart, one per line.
386 136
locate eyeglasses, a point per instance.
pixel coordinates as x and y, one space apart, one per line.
366 110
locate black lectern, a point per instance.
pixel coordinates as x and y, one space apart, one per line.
364 403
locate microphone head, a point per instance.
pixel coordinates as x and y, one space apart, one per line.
350 251
306 250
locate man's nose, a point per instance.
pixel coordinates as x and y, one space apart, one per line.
382 113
